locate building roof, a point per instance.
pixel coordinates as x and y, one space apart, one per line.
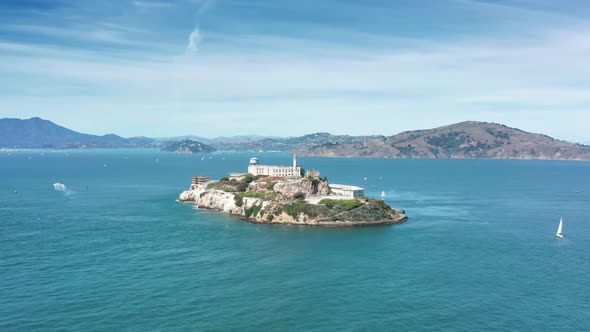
345 187
274 166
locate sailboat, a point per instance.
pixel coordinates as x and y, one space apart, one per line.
560 228
383 195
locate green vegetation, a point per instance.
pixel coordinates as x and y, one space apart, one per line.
188 146
232 185
311 210
270 185
299 196
344 204
270 217
253 210
448 141
239 200
263 195
242 187
248 178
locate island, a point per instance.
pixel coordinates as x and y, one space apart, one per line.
188 146
289 195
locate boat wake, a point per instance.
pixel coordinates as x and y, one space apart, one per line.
62 187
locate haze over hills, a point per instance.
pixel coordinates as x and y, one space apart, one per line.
289 143
37 133
469 139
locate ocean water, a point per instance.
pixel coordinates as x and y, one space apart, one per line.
113 250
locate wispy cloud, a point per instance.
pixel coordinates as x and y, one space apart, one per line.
204 6
142 4
193 41
306 66
101 33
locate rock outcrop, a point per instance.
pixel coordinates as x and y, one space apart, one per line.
283 209
305 186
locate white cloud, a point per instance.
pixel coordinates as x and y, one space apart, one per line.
193 41
500 79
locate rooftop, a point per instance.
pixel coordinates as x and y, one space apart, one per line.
345 187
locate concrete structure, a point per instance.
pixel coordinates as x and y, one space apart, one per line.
282 171
200 179
314 174
347 191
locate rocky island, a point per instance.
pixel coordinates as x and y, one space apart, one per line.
188 146
282 195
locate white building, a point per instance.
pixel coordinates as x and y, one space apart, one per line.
347 191
283 171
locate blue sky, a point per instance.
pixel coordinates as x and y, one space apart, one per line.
229 67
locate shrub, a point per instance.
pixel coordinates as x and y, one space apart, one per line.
224 179
242 187
270 217
311 210
345 204
248 178
239 200
270 185
299 195
253 210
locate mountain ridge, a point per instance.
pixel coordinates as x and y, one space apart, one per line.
467 139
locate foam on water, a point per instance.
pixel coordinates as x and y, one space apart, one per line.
62 187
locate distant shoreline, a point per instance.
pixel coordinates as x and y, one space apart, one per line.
9 150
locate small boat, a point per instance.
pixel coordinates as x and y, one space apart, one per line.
560 229
383 195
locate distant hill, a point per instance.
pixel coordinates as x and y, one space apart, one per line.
469 139
221 140
37 133
289 143
188 146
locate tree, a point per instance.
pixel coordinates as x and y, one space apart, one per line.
299 195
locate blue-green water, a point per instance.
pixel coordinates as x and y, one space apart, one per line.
115 251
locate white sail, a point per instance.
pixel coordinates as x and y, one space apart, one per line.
560 228
383 194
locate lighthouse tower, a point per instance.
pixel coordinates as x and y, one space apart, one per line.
294 161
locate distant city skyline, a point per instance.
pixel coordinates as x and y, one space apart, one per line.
281 68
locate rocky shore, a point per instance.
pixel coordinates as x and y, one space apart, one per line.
288 202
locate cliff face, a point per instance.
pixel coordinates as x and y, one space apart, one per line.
308 187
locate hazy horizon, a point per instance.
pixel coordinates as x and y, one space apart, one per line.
250 135
278 68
